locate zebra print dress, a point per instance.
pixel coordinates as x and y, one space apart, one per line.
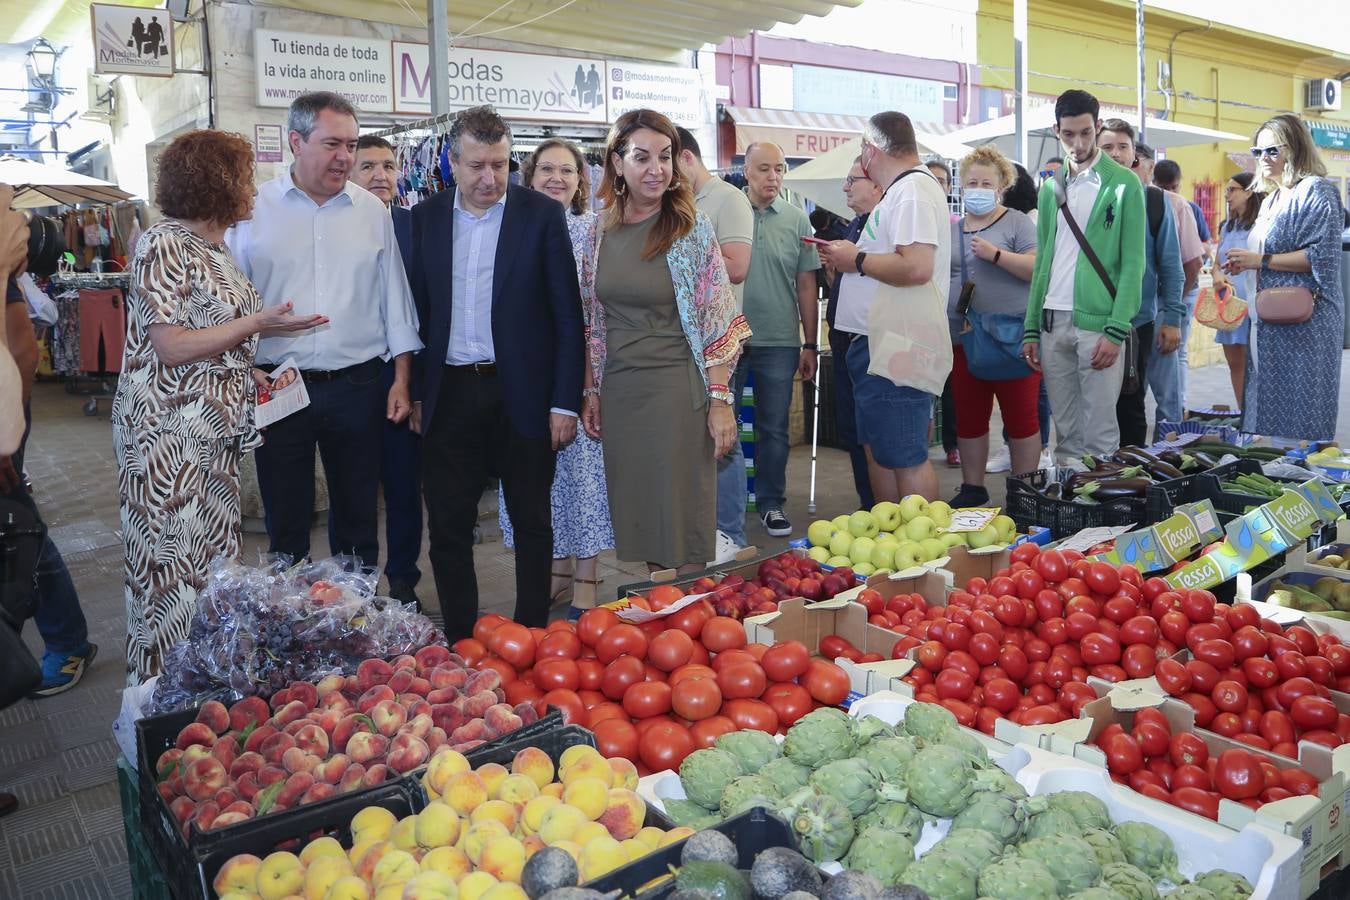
178 432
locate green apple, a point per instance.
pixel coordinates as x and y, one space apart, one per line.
835 562
861 550
912 506
840 523
864 569
840 543
1006 527
886 537
883 555
940 512
887 515
953 538
863 524
933 548
907 555
921 554
819 554
819 532
982 538
920 527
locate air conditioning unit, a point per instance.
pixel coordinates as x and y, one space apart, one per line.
1323 95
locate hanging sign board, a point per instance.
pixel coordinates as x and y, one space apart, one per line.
132 40
288 64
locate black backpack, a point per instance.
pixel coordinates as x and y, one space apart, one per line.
1153 201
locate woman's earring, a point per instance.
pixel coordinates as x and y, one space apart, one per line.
619 186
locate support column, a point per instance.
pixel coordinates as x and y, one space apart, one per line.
438 40
1020 81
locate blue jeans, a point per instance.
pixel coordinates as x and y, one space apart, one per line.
401 479
845 421
59 618
1167 374
731 494
774 368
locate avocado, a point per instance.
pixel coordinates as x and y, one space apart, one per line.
851 884
779 871
717 880
709 845
547 870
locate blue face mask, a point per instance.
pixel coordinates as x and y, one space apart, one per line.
979 200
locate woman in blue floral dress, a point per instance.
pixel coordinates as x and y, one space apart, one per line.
1294 371
581 524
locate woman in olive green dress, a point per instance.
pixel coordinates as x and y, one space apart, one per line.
665 336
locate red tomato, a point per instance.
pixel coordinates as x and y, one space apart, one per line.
1074 695
690 619
1203 675
621 674
786 660
691 671
742 681
622 639
573 710
964 712
514 643
954 684
1191 775
751 714
1139 660
1201 802
1229 696
931 654
1198 605
1140 630
1260 672
1227 724
1305 639
984 647
1099 649
705 732
1103 579
665 745
1153 739
670 649
1051 566
1291 665
826 682
1123 754
833 646
789 701
1218 653
647 699
1313 712
1002 695
471 649
616 737
1173 676
1298 782
723 633
1239 775
1014 661
1319 669
696 698
1043 714
1188 749
1291 689
557 672
521 692
594 623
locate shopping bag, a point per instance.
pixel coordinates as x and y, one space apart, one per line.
907 337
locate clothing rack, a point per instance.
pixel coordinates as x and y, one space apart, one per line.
91 279
434 124
96 387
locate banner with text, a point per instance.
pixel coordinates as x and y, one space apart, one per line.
131 40
675 92
519 85
290 64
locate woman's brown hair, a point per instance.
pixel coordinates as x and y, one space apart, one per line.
1300 152
678 213
207 176
582 198
1246 220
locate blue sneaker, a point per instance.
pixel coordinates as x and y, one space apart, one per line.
62 672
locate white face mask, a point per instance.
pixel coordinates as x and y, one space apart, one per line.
979 200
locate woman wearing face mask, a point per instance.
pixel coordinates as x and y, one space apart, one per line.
1244 202
993 253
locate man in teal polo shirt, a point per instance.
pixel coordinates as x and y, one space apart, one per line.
780 305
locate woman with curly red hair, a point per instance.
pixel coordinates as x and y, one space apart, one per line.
184 407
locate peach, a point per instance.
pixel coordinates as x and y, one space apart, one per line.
204 778
192 754
336 701
352 686
408 698
420 686
407 752
215 716
552 790
320 847
535 763
365 865
331 770
501 719
625 773
443 695
224 797
376 775
347 726
589 794
467 746
322 872
365 747
312 739
533 844
476 885
532 814
225 749
182 809
349 887
479 703
168 763
478 836
401 680
483 680
231 817
431 656
306 693
246 786
373 697
444 765
294 789
371 823
517 790
447 716
239 875
352 778
503 858
280 875
329 684
275 746
327 719
246 762
395 867
289 713
589 765
624 814
451 861
418 726
437 826
206 814
238 806
430 886
419 707
464 792
388 717
404 661
318 791
296 760
166 792
293 728
249 709
371 672
436 739
259 737
280 699
496 810
195 733
492 774
404 835
269 775
440 680
472 730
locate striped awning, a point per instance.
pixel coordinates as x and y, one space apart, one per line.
806 135
1335 135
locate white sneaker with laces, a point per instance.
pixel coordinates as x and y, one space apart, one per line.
726 549
1000 461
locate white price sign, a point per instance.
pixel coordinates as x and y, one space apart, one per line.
976 519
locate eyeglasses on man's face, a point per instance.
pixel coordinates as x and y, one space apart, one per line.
851 180
1268 152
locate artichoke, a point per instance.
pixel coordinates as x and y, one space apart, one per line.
706 773
893 816
1050 823
967 743
942 779
1190 892
940 875
1149 849
866 729
927 720
998 814
1069 858
1130 883
882 854
1014 878
816 738
1105 844
753 749
1095 893
785 775
687 813
1003 783
1225 885
823 825
974 847
1087 810
890 756
851 780
742 788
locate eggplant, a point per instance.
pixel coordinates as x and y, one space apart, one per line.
1134 456
1115 489
1172 458
1164 471
1205 460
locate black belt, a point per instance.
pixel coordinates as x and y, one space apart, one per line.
485 369
312 376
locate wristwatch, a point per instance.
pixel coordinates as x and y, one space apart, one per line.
858 262
726 397
810 346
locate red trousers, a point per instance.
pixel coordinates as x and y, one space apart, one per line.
103 317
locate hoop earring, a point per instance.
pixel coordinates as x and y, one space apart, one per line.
620 186
674 186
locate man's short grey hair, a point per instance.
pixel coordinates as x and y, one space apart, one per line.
892 133
305 110
482 123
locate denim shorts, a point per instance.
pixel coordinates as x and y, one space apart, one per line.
892 421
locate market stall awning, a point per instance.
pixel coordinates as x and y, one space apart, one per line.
646 29
821 180
807 135
1333 135
37 184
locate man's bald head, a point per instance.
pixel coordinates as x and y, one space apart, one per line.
765 166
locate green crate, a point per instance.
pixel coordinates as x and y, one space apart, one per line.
147 882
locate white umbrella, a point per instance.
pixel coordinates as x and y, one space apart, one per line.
821 180
38 184
1040 124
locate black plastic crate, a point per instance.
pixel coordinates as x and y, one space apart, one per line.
752 831
1027 506
1161 500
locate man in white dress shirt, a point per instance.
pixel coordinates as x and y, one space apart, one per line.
328 246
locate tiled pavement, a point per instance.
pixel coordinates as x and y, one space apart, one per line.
58 755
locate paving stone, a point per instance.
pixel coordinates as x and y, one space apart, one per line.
55 838
110 849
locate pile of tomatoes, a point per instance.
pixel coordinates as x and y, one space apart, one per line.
654 693
1180 769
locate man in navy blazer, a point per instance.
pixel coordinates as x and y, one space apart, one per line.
500 386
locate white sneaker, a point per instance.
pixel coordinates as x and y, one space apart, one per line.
1000 461
726 549
1047 459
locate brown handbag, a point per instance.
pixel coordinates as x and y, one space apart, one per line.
1284 305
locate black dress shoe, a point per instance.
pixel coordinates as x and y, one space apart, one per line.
403 592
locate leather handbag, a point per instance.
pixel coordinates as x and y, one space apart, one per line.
21 536
1290 305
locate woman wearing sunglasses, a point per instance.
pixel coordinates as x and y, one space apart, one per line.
1293 370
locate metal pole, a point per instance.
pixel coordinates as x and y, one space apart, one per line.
1139 43
815 412
438 37
1020 79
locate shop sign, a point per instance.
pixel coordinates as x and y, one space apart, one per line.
519 85
288 64
853 93
1332 136
132 40
267 144
675 92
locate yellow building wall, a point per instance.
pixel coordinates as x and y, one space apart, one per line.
1090 44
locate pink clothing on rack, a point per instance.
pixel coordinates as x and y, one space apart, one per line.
103 317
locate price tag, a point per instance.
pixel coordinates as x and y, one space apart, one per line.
971 519
1090 537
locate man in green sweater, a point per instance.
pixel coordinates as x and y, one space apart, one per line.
1076 322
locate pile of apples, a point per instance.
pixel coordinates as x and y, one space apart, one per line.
779 578
318 740
892 537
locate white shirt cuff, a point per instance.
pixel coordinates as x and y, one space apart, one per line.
563 412
402 339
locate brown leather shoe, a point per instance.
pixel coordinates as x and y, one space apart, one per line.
8 803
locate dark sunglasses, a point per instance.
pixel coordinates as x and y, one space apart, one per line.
1267 152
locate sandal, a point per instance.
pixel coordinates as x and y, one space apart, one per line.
574 611
563 594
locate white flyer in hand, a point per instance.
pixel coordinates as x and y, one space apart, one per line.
286 396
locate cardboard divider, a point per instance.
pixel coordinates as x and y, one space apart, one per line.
747 560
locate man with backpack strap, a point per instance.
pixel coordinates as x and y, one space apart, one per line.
1160 296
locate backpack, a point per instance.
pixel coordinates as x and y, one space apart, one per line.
1153 201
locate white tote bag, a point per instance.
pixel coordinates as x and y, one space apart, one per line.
908 338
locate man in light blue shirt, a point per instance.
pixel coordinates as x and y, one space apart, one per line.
328 247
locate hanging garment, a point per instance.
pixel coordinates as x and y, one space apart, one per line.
66 334
103 320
